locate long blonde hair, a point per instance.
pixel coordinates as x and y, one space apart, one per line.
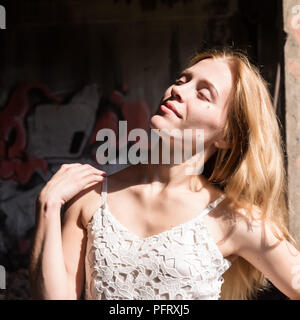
252 171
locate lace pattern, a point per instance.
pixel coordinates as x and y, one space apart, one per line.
181 263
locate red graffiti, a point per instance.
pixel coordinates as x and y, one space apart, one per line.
15 163
21 170
137 114
117 98
109 120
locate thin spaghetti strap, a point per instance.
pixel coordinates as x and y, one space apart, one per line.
104 191
212 205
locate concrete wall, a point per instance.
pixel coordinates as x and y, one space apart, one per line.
292 93
70 43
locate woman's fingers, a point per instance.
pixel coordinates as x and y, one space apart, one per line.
71 179
75 174
78 167
91 179
92 169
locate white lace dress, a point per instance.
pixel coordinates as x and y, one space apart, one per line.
180 263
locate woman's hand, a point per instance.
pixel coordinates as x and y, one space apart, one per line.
56 269
69 180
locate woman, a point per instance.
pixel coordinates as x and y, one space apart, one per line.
151 231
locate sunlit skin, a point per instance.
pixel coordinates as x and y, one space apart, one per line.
157 197
201 106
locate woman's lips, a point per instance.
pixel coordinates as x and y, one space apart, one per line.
167 108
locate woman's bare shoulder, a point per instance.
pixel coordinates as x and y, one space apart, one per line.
239 213
249 227
84 201
234 223
90 199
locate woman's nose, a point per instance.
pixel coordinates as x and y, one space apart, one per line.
176 93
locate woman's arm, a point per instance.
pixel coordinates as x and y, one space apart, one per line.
278 260
56 266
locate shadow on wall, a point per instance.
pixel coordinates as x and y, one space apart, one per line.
34 141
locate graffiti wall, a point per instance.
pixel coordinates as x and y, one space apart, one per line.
70 68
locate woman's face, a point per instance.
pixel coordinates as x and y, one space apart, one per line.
199 97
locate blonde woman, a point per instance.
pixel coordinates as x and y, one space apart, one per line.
151 231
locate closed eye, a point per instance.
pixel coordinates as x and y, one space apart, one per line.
178 82
203 95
